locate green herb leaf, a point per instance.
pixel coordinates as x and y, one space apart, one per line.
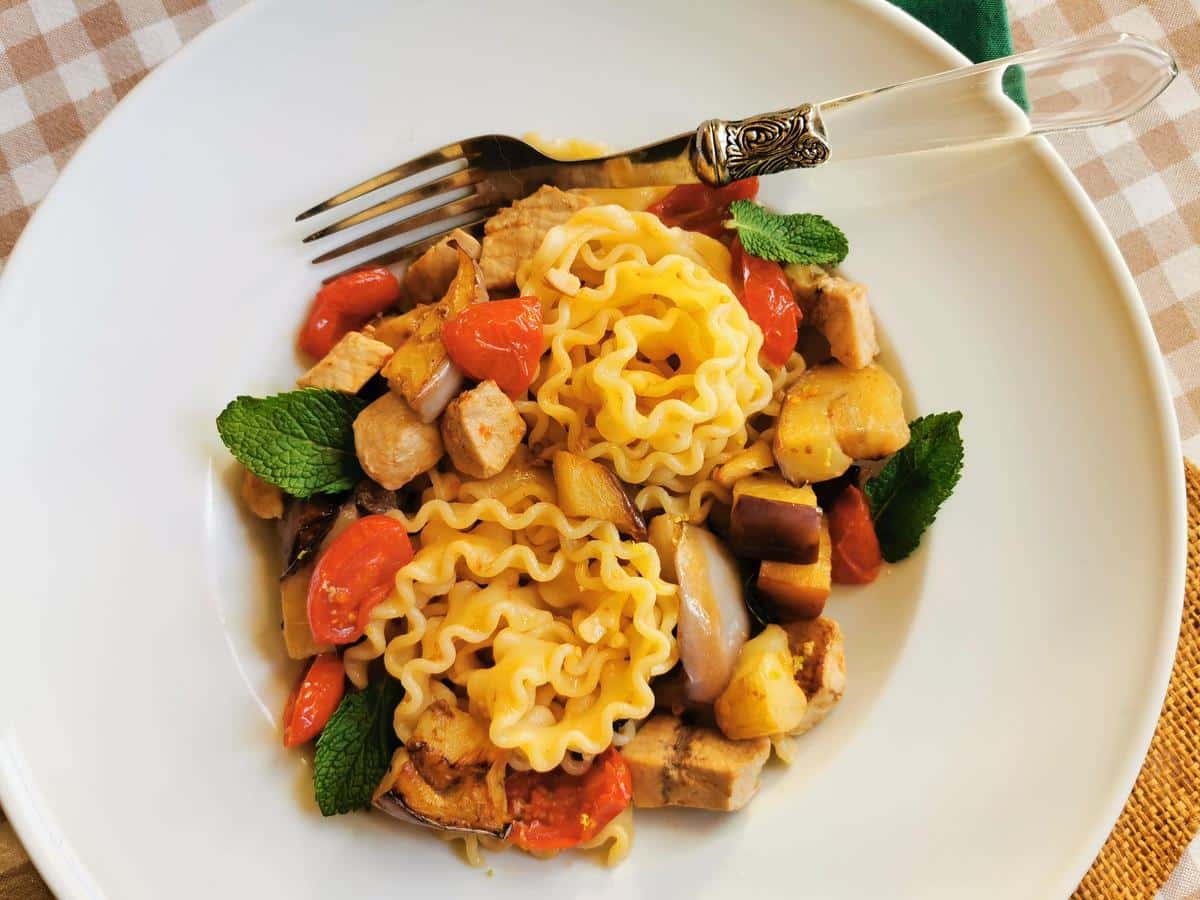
301 441
804 238
906 494
355 748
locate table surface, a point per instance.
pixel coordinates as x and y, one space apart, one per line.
65 63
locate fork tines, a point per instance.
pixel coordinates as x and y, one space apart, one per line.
479 199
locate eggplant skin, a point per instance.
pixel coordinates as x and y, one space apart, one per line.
374 499
393 804
303 527
447 776
763 528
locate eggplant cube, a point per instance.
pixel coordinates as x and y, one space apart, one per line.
763 697
799 591
773 520
589 490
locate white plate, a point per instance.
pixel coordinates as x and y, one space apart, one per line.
1004 683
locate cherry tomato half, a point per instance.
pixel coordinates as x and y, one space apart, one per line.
698 207
554 810
767 296
856 557
347 304
313 699
356 572
501 341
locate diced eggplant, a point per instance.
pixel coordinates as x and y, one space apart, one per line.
303 528
762 697
293 587
428 277
798 591
713 621
773 520
771 529
753 459
827 491
373 499
297 635
420 370
832 416
448 776
589 490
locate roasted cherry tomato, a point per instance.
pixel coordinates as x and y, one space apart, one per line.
501 341
856 557
554 810
347 304
313 700
698 207
768 298
355 573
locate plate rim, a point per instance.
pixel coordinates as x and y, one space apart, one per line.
67 878
1073 872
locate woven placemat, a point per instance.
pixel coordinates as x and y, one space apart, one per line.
1162 814
1158 822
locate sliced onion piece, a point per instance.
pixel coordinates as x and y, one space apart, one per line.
713 620
437 392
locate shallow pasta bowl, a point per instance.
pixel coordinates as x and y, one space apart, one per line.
1004 682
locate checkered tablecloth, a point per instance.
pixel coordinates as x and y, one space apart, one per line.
65 63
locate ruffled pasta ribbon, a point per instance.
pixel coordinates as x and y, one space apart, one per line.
551 627
652 364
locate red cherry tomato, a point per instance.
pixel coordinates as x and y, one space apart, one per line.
313 700
501 341
356 572
347 304
698 207
554 810
856 557
767 296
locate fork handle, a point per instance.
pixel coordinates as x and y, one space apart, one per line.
1078 84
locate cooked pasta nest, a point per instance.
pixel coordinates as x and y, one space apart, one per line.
652 362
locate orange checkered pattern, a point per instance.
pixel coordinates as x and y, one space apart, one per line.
1144 175
63 65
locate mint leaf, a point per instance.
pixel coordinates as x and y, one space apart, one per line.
804 238
907 492
355 748
301 441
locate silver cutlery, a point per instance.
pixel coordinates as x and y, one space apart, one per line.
1079 84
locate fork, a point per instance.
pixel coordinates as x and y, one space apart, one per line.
1078 84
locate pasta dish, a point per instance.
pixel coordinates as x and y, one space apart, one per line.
561 508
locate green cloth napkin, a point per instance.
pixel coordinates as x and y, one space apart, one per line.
978 28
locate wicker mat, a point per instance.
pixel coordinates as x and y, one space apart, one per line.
1162 814
1159 821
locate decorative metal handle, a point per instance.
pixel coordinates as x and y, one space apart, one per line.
760 145
1079 84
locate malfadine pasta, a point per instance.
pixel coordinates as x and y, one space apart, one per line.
562 509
